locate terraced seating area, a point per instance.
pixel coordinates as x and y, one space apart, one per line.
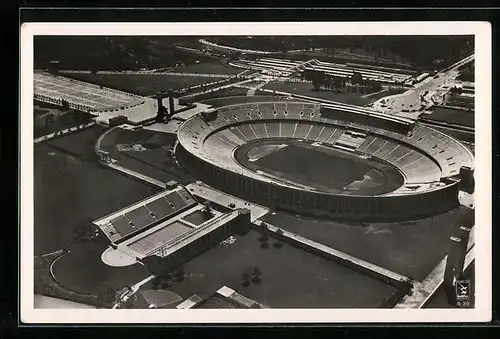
423 156
144 214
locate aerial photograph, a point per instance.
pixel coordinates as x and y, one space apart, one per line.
250 172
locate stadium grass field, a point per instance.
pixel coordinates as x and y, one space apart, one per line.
410 248
71 189
303 88
290 277
144 84
310 166
208 68
324 169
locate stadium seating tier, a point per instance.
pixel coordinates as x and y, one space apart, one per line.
424 156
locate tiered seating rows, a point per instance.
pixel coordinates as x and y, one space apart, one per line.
449 156
151 212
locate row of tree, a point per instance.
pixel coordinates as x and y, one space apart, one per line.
110 53
320 79
251 275
420 51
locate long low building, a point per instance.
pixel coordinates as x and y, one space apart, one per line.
335 69
81 95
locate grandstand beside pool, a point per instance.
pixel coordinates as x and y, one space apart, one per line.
171 223
145 214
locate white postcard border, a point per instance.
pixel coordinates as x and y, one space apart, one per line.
483 175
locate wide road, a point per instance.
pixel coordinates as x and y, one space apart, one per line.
396 103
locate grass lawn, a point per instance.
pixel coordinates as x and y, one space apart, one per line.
143 84
208 68
290 277
412 248
70 188
303 88
312 166
154 162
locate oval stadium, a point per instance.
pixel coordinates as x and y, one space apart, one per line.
324 160
205 173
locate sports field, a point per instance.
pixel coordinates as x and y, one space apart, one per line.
152 160
144 84
324 169
71 190
307 165
411 248
307 89
290 277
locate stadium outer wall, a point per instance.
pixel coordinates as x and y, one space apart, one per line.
338 207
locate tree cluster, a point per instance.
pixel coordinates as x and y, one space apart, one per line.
166 279
110 53
251 275
264 238
320 80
